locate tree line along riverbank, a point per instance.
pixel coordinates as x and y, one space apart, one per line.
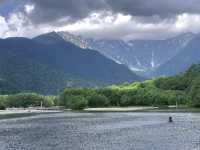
183 89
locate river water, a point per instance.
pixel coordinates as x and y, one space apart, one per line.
101 131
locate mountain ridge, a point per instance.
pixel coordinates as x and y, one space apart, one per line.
188 56
145 55
141 56
47 64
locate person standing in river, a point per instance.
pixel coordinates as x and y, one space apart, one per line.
170 119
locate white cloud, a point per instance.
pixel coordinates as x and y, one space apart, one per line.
3 26
29 8
104 25
128 27
100 25
187 23
116 26
18 25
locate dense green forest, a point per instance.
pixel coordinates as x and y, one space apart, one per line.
183 89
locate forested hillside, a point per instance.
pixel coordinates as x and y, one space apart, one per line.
47 64
183 89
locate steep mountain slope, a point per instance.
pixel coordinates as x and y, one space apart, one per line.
139 55
179 63
142 55
22 70
87 63
7 87
47 64
76 40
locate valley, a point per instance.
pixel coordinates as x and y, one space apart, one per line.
149 58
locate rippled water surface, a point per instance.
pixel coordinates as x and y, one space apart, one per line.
101 131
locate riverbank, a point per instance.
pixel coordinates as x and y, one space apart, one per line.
174 110
120 109
144 109
34 111
21 112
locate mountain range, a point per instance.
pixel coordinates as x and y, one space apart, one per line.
141 55
48 63
53 61
149 58
189 55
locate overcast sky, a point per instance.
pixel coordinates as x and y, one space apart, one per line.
113 19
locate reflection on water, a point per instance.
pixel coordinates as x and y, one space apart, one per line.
101 131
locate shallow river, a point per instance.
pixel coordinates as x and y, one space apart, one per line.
101 131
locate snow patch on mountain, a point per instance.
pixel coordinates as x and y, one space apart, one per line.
152 60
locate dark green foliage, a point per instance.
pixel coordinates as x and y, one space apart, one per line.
75 98
78 92
172 83
97 100
3 102
74 102
24 100
114 95
28 100
195 93
137 94
183 89
2 106
161 100
162 92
